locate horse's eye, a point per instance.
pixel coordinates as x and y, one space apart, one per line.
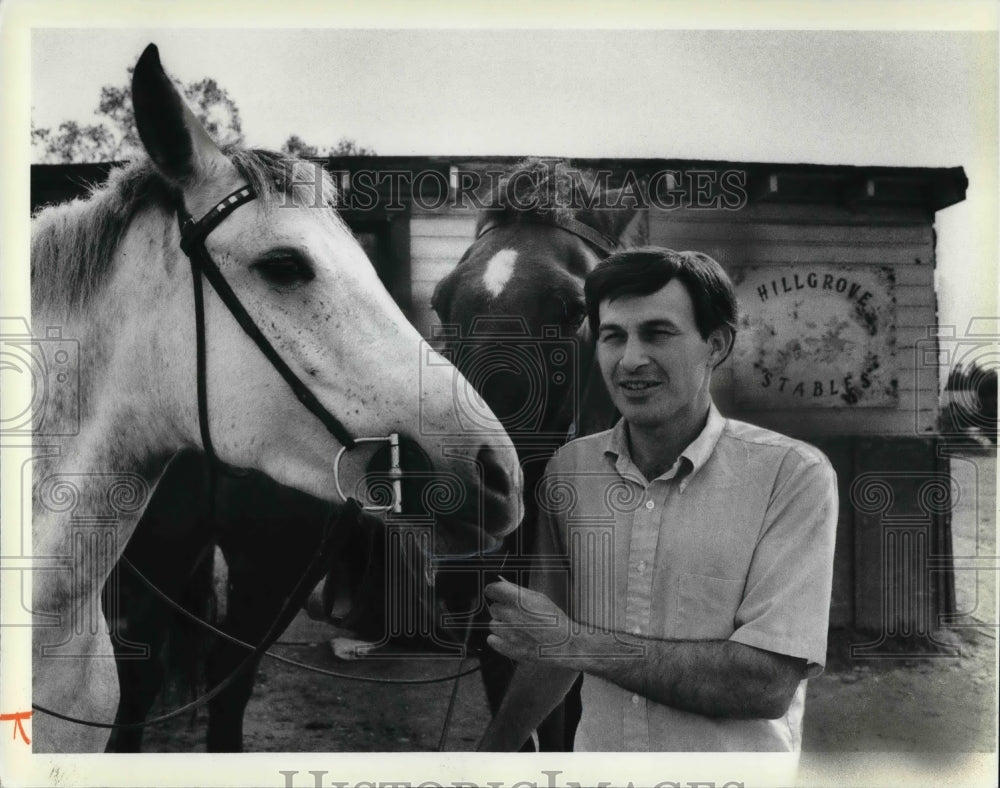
284 271
575 315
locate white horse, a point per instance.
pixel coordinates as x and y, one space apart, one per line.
109 274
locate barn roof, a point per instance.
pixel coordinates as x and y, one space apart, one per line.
932 188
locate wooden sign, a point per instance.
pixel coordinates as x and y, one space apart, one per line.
815 336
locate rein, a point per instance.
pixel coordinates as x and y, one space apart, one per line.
598 240
178 608
351 509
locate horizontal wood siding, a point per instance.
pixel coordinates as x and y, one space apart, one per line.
758 235
437 242
809 235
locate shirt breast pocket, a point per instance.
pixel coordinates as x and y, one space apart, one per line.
706 607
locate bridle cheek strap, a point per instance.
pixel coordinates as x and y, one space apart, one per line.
193 234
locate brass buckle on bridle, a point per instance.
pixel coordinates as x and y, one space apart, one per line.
395 474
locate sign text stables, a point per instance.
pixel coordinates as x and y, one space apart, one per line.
815 336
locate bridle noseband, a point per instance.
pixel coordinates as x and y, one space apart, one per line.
193 235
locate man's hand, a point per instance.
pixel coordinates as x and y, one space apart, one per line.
527 626
524 621
719 678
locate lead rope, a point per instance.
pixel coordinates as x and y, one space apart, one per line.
446 726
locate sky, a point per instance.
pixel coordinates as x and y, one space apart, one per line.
861 97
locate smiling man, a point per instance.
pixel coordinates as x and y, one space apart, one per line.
685 560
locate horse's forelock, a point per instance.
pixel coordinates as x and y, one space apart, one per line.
273 175
534 188
550 189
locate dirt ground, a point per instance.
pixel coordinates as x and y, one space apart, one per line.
933 703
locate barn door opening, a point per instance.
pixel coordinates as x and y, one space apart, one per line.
386 241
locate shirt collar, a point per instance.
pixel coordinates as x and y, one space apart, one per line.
691 459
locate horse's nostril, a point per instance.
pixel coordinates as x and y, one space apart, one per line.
497 478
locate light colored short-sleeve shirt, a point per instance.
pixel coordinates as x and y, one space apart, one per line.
734 542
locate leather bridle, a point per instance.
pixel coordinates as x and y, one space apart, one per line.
193 235
598 240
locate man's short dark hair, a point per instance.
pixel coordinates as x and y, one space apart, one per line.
640 272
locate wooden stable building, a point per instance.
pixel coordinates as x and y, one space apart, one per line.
834 268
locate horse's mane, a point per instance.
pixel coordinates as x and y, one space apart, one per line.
73 244
547 190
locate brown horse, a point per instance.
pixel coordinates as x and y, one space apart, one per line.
512 315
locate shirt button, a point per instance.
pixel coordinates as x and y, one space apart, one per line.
650 504
635 700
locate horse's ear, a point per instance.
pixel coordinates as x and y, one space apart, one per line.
624 210
171 134
634 230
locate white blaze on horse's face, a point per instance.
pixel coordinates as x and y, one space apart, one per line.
499 270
